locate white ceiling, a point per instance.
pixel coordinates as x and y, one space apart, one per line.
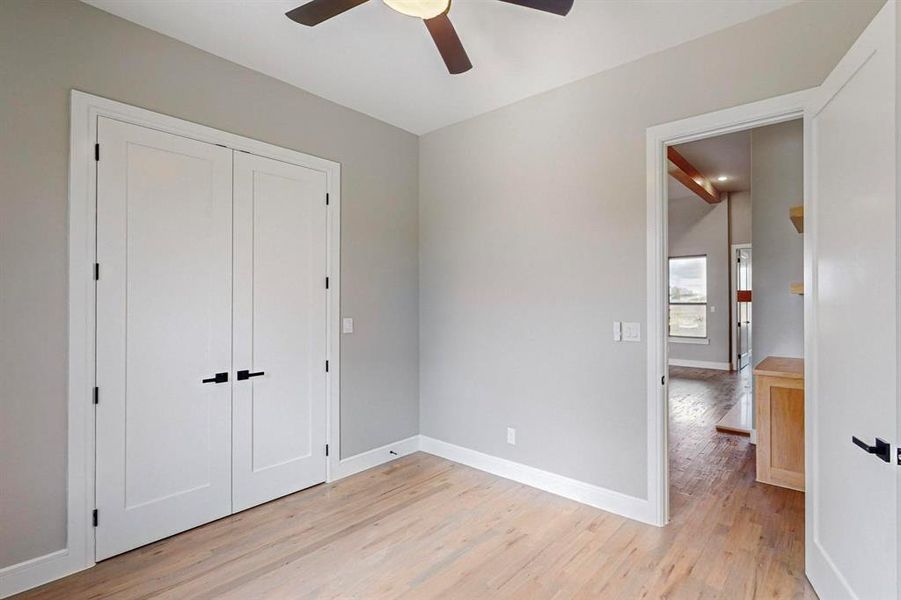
384 64
728 155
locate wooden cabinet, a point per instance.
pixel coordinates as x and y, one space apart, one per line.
779 394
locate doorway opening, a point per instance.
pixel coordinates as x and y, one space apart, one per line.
772 111
733 255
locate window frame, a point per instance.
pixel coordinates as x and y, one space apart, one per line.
670 303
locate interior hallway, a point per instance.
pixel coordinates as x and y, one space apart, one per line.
713 484
423 527
700 457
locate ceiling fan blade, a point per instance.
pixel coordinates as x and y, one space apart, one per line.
558 7
317 11
449 44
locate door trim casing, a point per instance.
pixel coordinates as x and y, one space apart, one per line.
739 118
85 110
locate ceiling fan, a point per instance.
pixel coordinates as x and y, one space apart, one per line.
432 12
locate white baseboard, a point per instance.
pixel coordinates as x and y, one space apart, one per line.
631 507
700 364
375 457
37 571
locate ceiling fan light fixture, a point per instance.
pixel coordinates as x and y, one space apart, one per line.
433 14
423 9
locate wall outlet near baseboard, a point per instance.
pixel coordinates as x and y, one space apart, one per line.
511 436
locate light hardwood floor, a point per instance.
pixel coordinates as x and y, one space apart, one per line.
423 527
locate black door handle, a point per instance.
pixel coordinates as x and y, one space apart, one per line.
882 449
245 374
218 378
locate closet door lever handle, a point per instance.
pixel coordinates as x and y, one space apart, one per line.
217 378
245 374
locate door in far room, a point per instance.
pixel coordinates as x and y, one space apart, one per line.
743 307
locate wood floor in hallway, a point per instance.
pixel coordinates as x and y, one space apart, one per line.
424 527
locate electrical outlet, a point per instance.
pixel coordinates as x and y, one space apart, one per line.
511 436
617 331
347 325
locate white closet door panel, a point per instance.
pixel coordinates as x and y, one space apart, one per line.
163 325
280 329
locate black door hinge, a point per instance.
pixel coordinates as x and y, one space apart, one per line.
326 449
326 283
96 271
326 198
96 518
326 366
96 395
899 454
97 152
663 380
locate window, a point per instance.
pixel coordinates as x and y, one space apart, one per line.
688 297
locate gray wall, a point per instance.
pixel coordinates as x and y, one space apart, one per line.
740 221
697 228
532 242
777 183
48 48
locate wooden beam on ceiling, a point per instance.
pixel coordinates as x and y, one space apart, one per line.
686 174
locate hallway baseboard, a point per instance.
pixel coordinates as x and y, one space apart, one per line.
700 364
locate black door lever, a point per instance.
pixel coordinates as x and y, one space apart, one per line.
245 374
882 449
218 378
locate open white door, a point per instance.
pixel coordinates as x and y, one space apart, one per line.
851 307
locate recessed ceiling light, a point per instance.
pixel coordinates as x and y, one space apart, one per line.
722 178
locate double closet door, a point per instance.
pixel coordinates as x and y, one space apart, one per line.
211 333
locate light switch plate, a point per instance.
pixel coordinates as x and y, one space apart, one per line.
617 331
347 325
631 332
511 436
